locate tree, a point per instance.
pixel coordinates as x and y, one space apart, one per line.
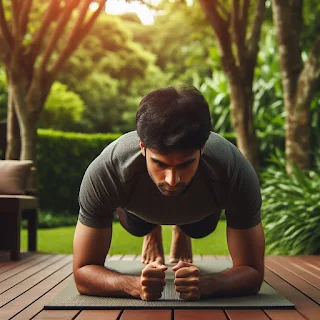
238 51
299 81
32 60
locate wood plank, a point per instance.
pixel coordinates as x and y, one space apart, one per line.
209 257
192 314
99 315
38 305
308 308
129 257
294 280
304 274
146 315
246 315
115 257
33 280
21 267
57 314
306 264
32 271
30 296
8 264
284 315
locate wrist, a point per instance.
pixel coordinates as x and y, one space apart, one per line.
208 285
132 286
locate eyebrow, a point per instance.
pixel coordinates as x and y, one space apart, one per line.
179 165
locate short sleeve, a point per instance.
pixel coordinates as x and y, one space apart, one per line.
243 207
100 193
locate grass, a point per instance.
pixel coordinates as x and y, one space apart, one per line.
59 240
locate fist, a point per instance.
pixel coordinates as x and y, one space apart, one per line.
187 279
152 281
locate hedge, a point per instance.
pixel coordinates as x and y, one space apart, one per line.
62 160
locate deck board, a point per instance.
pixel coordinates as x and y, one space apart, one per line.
27 285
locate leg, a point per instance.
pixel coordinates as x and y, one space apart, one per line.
152 248
181 248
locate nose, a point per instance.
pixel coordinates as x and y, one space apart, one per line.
172 177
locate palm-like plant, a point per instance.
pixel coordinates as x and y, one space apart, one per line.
291 208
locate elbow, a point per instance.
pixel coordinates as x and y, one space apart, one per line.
80 283
257 284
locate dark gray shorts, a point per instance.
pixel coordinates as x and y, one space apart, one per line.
139 227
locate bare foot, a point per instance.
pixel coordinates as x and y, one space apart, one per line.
152 249
181 249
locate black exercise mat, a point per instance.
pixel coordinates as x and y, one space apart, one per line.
267 298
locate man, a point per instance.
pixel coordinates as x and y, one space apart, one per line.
171 171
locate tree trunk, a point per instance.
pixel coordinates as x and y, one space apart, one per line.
27 120
299 82
242 121
13 132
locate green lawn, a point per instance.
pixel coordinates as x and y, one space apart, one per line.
59 240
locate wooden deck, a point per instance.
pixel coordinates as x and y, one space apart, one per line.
27 285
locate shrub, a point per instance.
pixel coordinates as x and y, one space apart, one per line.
63 108
291 209
63 158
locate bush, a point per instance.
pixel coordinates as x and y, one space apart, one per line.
63 158
291 209
63 108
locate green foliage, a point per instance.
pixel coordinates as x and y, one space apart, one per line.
3 95
291 208
63 158
103 70
63 108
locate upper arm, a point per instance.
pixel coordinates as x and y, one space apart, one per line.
246 247
90 245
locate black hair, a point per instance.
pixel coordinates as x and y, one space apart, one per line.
173 119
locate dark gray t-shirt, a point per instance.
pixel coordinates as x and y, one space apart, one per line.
118 178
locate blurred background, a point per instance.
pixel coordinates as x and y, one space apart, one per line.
257 64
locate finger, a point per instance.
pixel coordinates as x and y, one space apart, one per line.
191 281
152 282
158 264
190 296
181 264
150 296
185 272
153 273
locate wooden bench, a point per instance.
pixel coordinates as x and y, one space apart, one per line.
13 209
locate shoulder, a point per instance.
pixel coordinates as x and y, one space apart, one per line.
220 157
122 156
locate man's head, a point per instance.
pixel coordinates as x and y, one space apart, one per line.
173 119
173 125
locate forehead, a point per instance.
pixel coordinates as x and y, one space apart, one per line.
175 157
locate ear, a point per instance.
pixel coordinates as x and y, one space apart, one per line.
142 147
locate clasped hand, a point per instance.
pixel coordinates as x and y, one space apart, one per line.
187 279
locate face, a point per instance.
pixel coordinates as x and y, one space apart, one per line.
172 173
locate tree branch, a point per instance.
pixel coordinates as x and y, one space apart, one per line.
24 16
50 15
7 36
296 16
61 24
238 24
309 78
244 20
77 34
253 40
15 15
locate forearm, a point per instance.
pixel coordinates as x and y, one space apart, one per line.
98 280
237 281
